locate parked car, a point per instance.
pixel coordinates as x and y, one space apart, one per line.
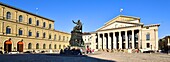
146 50
28 52
13 52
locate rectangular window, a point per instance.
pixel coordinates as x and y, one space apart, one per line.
20 32
59 46
147 37
63 38
148 45
37 35
49 26
59 37
30 34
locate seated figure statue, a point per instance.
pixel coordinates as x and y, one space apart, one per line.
78 26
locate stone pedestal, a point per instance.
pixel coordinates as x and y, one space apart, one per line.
76 39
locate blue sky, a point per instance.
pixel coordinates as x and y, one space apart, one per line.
94 13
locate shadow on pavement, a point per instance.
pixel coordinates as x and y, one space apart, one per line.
81 58
49 58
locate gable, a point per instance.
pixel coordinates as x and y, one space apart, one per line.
118 24
124 18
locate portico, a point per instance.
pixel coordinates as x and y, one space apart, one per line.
119 40
126 32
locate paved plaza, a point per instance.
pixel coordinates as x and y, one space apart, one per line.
133 57
96 57
48 58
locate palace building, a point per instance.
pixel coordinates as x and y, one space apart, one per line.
125 32
24 31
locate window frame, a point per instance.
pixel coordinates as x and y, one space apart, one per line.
30 21
37 23
147 36
37 46
29 46
20 32
8 15
20 18
8 30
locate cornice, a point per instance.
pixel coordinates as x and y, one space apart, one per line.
25 11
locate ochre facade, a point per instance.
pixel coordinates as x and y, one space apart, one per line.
24 31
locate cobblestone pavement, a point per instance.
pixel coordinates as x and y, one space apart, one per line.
132 57
48 58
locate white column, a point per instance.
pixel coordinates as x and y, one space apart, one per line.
98 36
133 44
114 41
126 39
157 39
109 41
139 40
104 41
120 40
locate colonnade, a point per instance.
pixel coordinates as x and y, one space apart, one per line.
118 40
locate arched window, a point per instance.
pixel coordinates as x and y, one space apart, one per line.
29 46
49 26
44 24
30 21
67 39
44 46
8 15
64 46
63 38
59 38
37 34
20 18
55 37
29 33
37 23
59 46
20 31
148 36
44 35
8 30
37 46
55 46
50 36
50 46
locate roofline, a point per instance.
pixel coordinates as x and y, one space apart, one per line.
122 16
62 32
25 11
121 22
151 25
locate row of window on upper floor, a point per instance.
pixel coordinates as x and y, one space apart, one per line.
20 33
8 16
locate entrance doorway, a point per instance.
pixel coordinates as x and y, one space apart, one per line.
8 46
20 46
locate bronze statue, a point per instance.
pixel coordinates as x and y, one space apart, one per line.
78 26
76 35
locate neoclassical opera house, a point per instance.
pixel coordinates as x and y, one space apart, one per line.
125 32
24 31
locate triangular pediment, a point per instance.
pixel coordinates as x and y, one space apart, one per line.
124 18
118 24
121 21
